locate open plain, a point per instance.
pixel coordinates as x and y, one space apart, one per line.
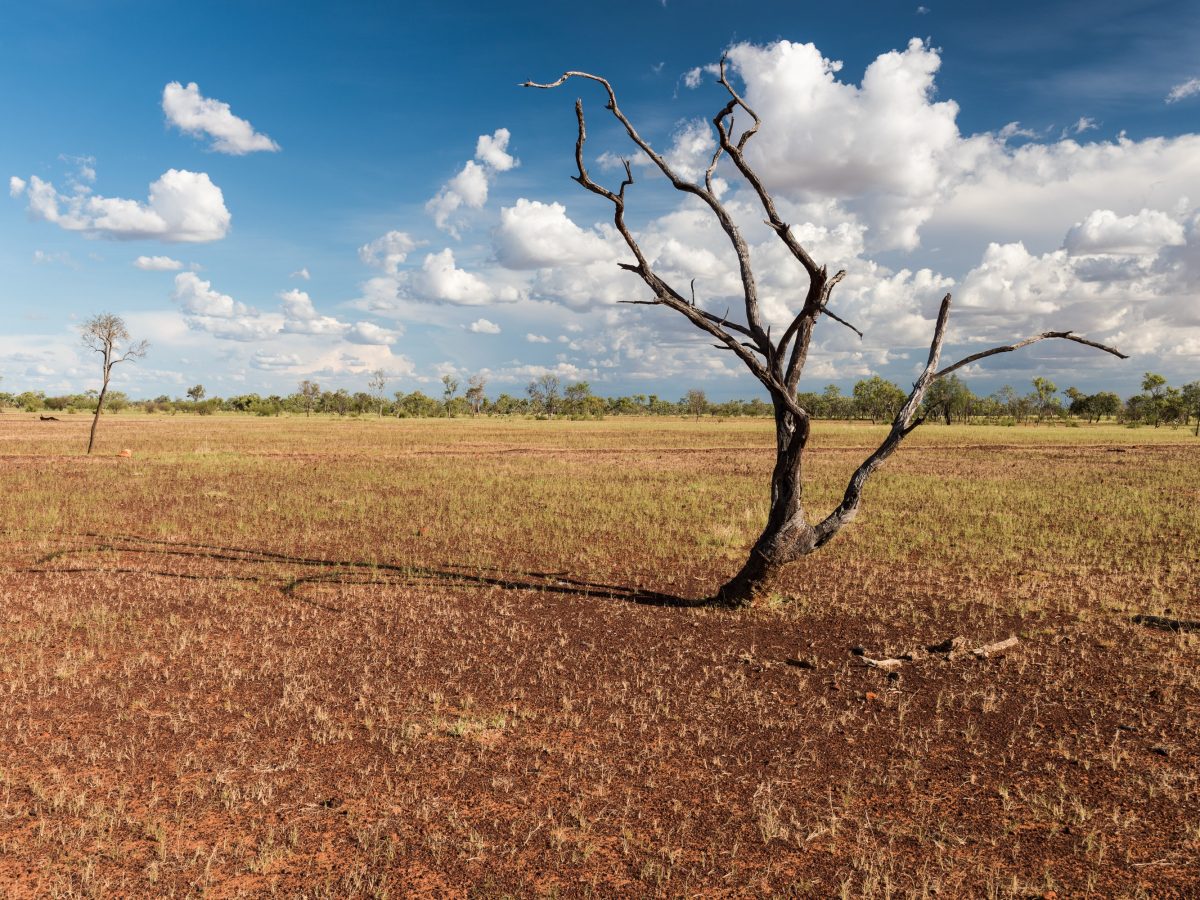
356 657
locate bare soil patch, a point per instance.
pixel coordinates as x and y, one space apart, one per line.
355 672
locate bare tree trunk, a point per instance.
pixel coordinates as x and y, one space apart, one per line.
99 407
101 334
787 535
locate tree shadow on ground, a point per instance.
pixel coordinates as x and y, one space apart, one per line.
348 572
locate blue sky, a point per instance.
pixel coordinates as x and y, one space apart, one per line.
341 189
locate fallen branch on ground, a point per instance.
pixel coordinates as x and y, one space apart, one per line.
950 649
989 650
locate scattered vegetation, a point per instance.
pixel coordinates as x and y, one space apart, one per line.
873 399
361 657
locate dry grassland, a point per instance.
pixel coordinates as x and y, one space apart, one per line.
335 658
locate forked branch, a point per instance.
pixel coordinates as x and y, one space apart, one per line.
664 294
907 420
703 192
775 376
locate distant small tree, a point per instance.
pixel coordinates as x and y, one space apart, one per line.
449 389
106 334
696 403
507 405
877 398
576 398
196 393
377 383
1080 402
1007 400
948 397
1043 399
310 392
243 402
1190 395
117 401
544 393
1104 404
339 401
832 404
32 401
1155 387
475 396
417 405
1173 408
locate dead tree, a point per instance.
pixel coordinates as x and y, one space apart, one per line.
106 334
777 363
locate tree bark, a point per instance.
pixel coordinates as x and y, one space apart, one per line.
99 407
787 535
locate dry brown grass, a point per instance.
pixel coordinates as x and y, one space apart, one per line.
361 658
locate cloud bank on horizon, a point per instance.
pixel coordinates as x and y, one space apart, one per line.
1029 232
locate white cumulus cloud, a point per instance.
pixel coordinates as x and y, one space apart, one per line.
1103 231
483 326
693 78
439 279
301 317
192 113
388 252
1014 129
157 264
271 362
206 309
182 207
196 296
885 147
370 333
535 235
297 330
492 151
469 188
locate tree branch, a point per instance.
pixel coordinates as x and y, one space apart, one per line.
905 422
749 286
722 321
842 321
802 326
768 204
664 294
1064 335
137 351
